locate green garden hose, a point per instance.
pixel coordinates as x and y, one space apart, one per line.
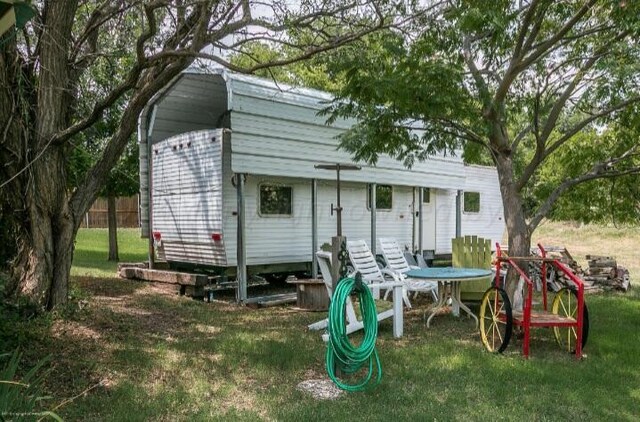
341 354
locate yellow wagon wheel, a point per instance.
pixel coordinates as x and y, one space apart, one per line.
496 320
565 303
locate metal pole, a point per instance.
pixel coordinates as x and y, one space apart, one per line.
150 202
459 213
241 292
314 227
420 220
336 246
373 208
150 124
339 207
414 220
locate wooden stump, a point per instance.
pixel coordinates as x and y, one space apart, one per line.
311 295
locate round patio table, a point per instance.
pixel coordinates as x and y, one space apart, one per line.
453 277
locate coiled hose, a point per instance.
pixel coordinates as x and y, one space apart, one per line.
341 353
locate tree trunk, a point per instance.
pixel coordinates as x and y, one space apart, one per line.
11 152
518 232
113 228
41 269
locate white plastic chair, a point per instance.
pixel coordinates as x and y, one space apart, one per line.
394 257
365 263
353 324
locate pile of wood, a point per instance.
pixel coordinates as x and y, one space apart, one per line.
604 271
555 279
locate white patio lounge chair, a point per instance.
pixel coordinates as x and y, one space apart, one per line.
394 257
364 262
353 324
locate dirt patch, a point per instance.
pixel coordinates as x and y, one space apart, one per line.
74 329
320 389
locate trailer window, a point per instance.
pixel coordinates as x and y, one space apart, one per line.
275 200
384 197
472 202
426 195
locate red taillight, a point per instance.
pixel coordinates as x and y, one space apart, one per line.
216 237
157 236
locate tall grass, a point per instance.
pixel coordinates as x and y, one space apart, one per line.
20 397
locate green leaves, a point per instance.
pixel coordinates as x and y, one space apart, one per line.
19 397
544 84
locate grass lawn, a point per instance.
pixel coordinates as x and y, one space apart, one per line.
146 353
92 246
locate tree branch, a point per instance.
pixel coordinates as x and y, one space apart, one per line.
600 170
309 52
539 158
545 46
541 138
101 15
465 133
481 84
570 89
520 136
526 22
86 192
129 83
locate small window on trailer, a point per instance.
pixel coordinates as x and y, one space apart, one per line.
384 197
472 202
275 200
426 195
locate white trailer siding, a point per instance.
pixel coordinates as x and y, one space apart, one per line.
276 132
194 102
276 239
489 222
445 219
279 133
187 198
276 136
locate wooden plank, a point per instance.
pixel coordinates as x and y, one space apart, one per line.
599 257
271 300
122 265
162 276
456 255
278 302
545 318
603 263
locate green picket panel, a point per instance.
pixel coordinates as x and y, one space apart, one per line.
472 252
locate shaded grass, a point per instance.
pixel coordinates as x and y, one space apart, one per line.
172 358
91 252
157 356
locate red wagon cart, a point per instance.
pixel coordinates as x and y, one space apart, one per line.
568 316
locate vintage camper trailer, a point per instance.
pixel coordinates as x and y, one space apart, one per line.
229 181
